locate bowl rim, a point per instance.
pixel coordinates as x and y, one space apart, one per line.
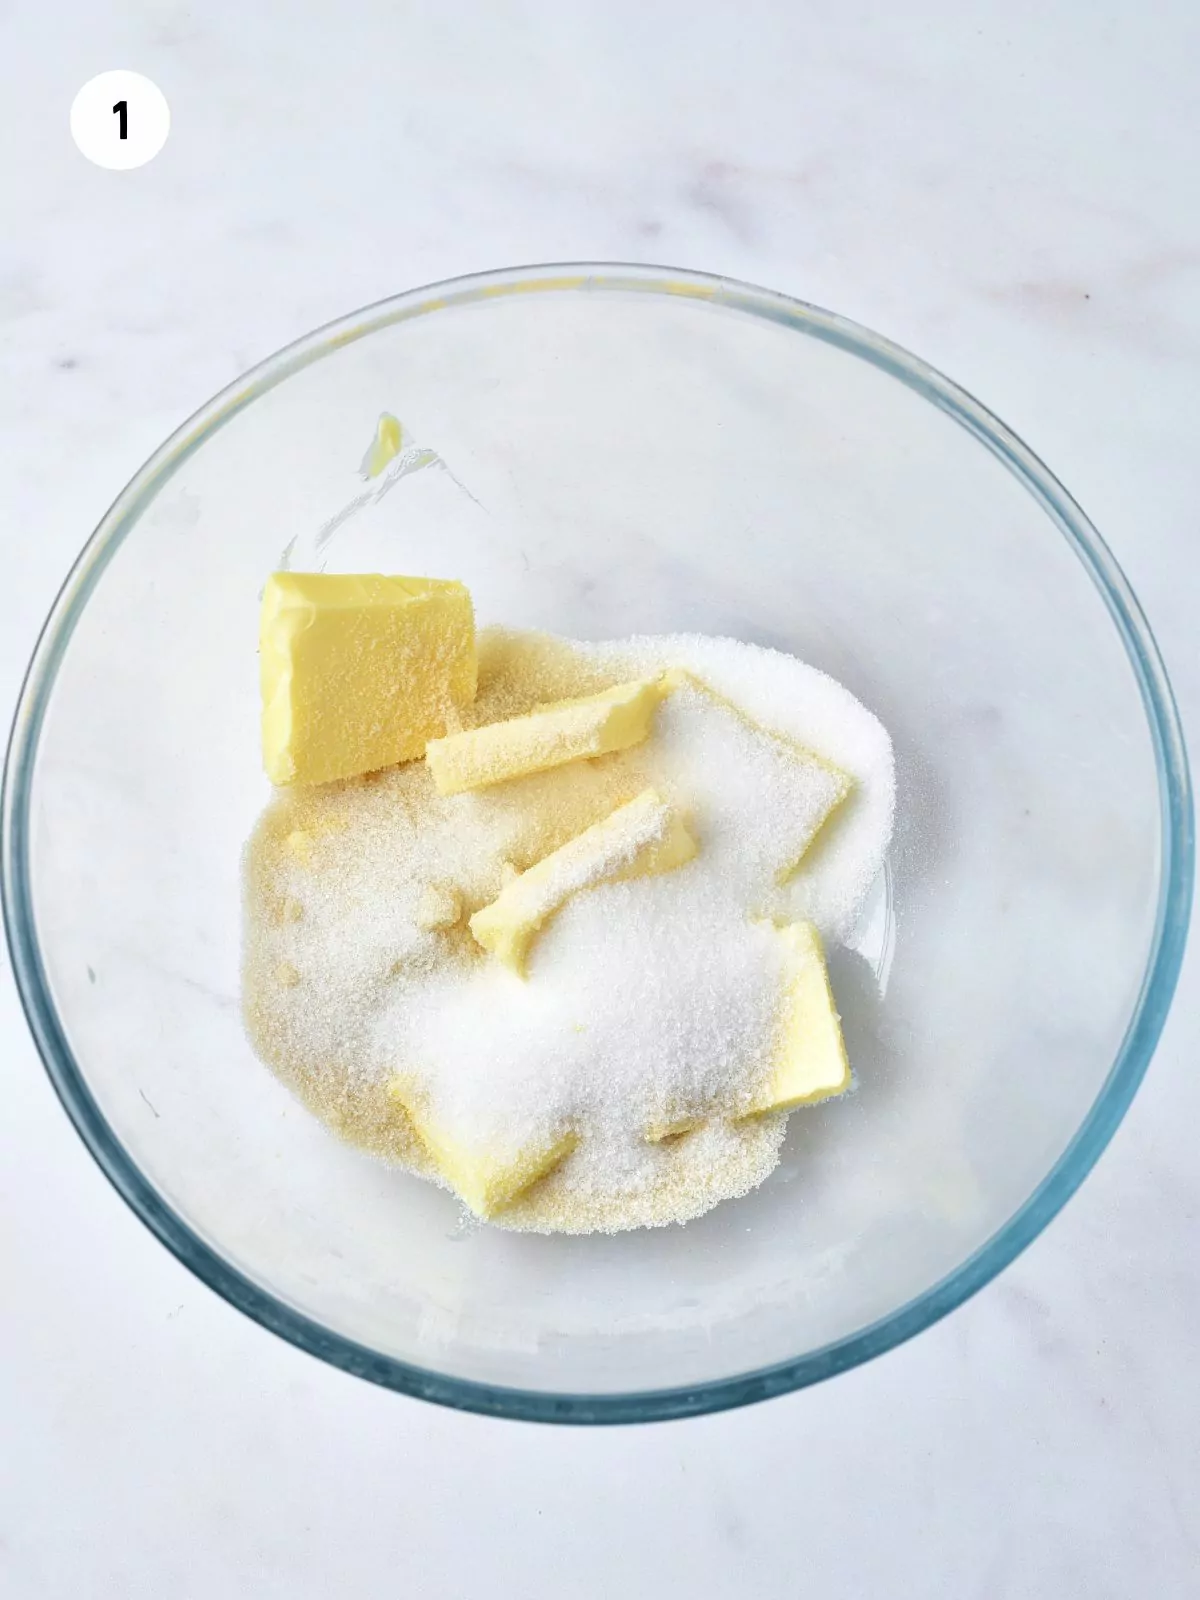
1145 1024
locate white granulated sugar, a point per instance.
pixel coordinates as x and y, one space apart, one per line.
644 999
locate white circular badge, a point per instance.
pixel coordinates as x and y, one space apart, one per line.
120 120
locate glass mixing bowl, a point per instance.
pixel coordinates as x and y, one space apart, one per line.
600 451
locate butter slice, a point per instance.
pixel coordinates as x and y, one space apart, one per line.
593 725
644 836
487 1180
811 1062
359 671
674 1128
838 784
384 447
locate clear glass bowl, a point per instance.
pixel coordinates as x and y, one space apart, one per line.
601 451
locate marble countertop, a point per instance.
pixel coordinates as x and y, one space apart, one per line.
1007 189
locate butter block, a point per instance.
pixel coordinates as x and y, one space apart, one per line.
359 671
835 785
570 730
644 836
486 1180
811 1062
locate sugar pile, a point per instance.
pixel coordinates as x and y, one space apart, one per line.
645 999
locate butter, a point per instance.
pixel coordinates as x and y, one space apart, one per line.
487 1180
644 836
810 1063
384 447
839 783
359 671
570 730
673 1128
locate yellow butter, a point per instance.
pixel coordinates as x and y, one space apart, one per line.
673 1128
839 783
359 671
810 1063
644 836
593 725
487 1180
384 447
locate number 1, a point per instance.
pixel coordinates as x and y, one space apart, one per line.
121 109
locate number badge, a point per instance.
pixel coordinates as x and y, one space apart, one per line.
120 120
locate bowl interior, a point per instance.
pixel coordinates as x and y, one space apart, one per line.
597 459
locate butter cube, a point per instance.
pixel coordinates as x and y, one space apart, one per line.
487 1180
615 719
359 671
644 836
811 1062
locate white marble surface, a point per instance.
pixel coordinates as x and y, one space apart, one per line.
1008 189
